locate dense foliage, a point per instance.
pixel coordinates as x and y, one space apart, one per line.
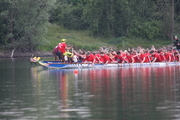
148 19
23 23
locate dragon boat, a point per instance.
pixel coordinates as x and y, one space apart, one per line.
58 64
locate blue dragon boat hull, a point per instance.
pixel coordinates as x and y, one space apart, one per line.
58 64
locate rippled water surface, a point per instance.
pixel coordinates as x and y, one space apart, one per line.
32 92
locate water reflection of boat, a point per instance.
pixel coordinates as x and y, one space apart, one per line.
56 64
127 93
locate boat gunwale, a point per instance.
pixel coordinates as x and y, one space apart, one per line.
57 64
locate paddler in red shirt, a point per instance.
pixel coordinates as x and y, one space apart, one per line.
143 56
104 58
90 58
111 58
177 56
168 56
148 55
129 57
119 58
63 47
136 57
161 54
97 57
56 53
155 57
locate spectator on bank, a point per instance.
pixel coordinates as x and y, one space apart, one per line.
176 42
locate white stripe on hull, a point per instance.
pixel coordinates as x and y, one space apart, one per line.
81 65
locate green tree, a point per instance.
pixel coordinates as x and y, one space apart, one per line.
167 11
2 33
68 13
26 22
148 19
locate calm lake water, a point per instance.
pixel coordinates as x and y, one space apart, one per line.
32 92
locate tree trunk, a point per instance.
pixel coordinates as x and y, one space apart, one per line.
11 23
112 13
107 17
172 20
12 53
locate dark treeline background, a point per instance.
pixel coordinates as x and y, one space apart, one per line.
24 23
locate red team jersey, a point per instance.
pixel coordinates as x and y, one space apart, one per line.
136 58
97 57
168 57
129 58
89 58
144 56
62 47
111 59
119 58
156 55
104 58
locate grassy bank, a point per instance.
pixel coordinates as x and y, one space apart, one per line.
83 40
80 39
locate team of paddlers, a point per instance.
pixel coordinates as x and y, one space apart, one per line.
105 56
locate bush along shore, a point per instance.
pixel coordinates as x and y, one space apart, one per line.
18 54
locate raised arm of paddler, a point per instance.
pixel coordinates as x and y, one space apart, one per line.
83 56
153 48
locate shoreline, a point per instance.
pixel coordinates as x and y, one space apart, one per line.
17 54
